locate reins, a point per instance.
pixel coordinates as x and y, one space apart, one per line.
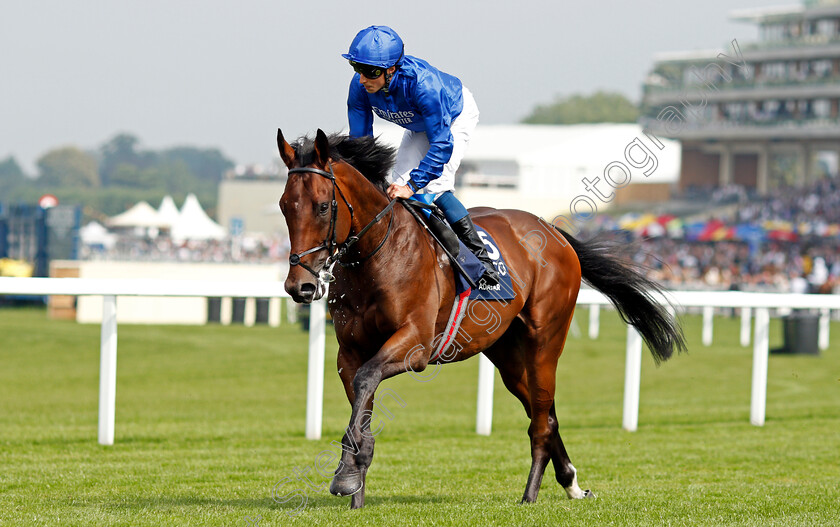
337 250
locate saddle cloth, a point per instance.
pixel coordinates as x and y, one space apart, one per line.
474 267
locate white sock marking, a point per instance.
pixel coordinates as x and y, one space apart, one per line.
574 491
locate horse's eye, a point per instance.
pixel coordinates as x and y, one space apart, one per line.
323 208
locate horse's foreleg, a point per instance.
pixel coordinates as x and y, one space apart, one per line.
348 480
356 457
358 441
357 454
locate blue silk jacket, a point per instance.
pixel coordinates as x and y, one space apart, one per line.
420 98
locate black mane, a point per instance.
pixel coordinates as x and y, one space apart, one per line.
367 155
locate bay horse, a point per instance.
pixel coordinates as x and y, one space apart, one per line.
393 290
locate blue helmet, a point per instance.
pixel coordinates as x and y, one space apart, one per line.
376 46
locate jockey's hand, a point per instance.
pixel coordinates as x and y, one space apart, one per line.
399 191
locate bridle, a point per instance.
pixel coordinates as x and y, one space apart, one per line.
337 250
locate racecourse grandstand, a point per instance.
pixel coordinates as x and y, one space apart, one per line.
763 115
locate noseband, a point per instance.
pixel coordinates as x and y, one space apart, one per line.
337 250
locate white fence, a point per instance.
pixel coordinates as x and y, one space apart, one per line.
110 289
761 303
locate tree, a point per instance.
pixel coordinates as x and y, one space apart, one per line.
208 164
68 167
126 175
600 107
121 150
10 170
11 175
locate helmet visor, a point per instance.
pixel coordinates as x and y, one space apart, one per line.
366 70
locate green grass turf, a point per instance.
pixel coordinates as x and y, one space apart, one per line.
209 419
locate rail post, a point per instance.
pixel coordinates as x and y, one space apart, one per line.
315 373
761 353
108 370
746 314
486 378
594 320
632 380
708 325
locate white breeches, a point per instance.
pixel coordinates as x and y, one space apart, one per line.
415 145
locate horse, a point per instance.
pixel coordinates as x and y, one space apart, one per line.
392 289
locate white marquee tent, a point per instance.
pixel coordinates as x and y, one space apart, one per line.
194 224
168 212
140 215
95 234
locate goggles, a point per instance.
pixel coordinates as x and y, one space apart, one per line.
371 72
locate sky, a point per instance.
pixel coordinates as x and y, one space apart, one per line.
224 74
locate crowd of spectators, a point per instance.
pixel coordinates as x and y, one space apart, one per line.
809 261
773 266
817 204
162 248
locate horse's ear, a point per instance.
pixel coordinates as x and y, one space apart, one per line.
322 148
287 153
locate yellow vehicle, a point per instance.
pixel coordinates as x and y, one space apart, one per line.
18 268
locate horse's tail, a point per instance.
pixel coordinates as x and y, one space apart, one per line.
631 293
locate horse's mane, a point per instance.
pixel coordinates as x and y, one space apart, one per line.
366 154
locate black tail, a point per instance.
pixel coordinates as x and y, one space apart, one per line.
631 293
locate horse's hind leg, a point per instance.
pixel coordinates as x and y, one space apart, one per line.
529 376
540 374
563 469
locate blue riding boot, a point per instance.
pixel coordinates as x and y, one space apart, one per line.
465 229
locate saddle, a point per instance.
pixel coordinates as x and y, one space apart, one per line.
467 268
434 219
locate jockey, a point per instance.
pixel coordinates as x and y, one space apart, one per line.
438 113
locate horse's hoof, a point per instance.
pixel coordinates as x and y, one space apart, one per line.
588 494
346 484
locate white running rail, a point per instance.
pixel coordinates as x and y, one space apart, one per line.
110 289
